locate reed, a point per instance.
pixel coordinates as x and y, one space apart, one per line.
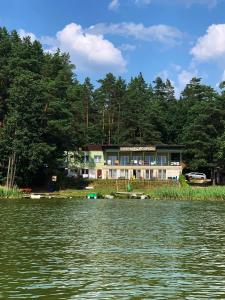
9 193
190 193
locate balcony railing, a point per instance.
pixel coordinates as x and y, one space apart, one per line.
141 163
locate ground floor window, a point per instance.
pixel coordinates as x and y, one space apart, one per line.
85 173
124 174
148 174
92 173
162 174
113 174
137 174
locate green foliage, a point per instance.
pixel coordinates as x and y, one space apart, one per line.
209 193
35 114
10 193
183 181
45 111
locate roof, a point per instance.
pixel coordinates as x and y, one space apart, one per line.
94 147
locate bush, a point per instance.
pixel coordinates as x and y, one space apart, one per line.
9 193
183 182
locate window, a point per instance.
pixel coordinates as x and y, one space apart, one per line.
161 159
175 159
97 158
124 174
124 160
150 159
137 159
84 173
85 158
162 174
113 174
149 174
112 159
138 174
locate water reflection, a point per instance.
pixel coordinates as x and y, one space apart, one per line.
56 249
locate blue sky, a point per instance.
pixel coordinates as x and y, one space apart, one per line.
175 39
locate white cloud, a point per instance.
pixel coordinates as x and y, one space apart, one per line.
90 51
176 67
160 33
164 74
211 45
22 33
114 5
184 77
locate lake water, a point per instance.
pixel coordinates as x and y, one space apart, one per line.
112 249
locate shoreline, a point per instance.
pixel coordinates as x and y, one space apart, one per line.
156 193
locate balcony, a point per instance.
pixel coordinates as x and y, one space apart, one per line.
141 163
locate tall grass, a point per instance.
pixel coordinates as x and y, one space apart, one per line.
9 193
203 193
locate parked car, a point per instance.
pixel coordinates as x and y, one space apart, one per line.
195 175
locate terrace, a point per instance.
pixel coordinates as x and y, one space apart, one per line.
143 159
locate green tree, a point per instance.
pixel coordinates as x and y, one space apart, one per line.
203 124
138 111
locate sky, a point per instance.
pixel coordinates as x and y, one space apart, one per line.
174 39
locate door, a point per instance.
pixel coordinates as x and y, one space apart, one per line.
99 174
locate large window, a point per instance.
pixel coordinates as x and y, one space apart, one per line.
113 174
137 174
150 159
112 159
97 158
124 174
162 160
162 174
124 160
85 158
175 159
148 174
85 173
137 159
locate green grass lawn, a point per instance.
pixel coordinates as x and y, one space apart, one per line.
175 192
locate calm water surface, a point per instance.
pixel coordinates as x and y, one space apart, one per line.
112 249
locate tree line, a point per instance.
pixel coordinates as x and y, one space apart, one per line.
45 111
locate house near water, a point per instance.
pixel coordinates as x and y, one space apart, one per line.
149 162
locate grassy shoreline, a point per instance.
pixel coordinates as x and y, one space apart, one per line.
158 193
10 193
155 193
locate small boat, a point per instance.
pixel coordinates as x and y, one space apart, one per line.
92 196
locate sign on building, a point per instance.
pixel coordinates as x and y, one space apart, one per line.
133 149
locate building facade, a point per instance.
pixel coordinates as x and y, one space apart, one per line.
153 162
